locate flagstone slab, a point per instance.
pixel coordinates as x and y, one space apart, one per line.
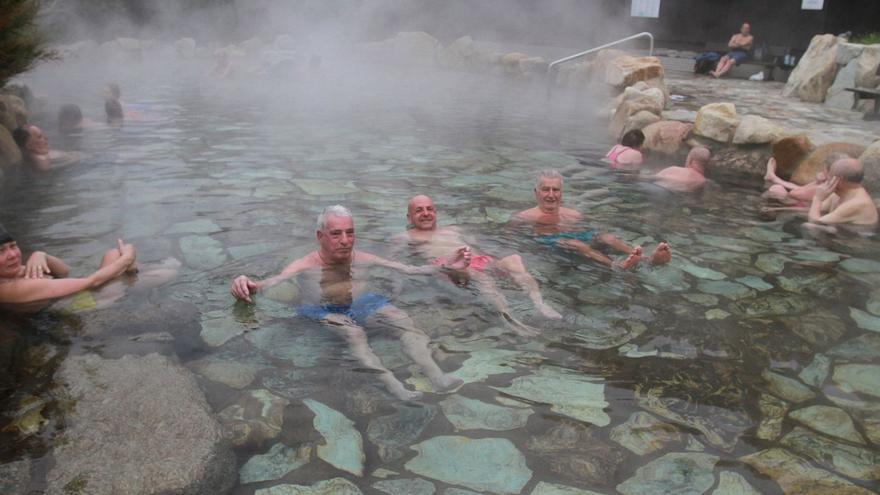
392 434
817 371
796 476
544 488
730 483
335 486
472 414
862 378
486 464
343 446
787 388
275 464
829 420
684 473
849 460
643 434
406 486
570 393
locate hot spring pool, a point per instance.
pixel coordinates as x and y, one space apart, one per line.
755 338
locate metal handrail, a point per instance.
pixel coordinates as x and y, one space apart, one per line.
553 65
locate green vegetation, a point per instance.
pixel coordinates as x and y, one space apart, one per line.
22 43
867 39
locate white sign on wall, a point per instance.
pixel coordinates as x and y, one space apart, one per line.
813 4
646 8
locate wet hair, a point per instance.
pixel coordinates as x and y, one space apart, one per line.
114 90
334 211
69 117
21 135
5 236
548 174
848 169
113 109
633 138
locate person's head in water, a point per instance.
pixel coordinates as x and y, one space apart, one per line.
112 92
850 172
31 140
698 158
70 118
335 234
548 191
10 255
633 139
420 213
113 108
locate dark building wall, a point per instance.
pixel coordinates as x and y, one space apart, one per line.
586 23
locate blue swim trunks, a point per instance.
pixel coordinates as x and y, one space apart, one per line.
359 310
552 239
738 56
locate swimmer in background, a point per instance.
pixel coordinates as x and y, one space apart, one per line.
36 151
433 242
627 155
336 275
556 226
689 178
43 279
70 119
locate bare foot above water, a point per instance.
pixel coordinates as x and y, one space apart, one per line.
662 254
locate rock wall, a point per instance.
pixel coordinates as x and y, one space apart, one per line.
829 66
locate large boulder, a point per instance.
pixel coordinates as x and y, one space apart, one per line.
866 70
137 425
13 112
822 158
871 163
667 136
816 70
415 47
626 71
510 62
634 102
10 154
753 129
837 95
717 121
790 152
605 57
639 121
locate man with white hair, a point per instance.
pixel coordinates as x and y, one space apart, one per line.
557 226
336 275
842 200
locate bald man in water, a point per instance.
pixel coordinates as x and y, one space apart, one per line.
688 178
433 243
842 200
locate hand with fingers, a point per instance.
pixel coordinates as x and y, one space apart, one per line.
826 189
37 265
242 288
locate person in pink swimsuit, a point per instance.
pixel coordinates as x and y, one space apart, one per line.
627 154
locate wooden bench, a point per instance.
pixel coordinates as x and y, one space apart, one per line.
868 94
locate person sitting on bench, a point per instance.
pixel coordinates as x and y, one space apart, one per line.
740 44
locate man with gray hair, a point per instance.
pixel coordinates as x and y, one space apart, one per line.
842 199
336 275
557 226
